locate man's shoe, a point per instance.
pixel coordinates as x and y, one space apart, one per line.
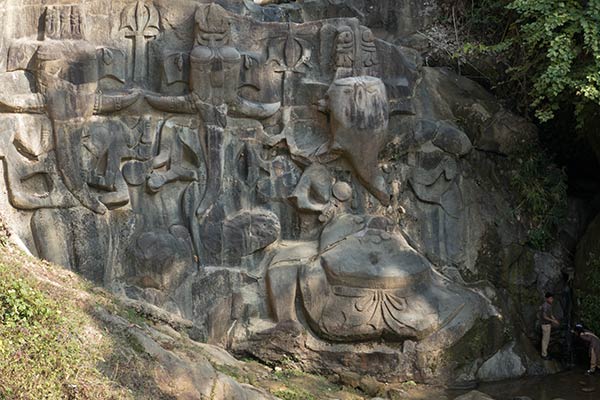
590 372
546 358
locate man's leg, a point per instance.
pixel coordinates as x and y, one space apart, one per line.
546 329
593 359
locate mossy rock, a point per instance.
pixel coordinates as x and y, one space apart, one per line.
480 342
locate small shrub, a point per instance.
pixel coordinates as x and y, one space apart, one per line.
39 353
541 188
294 394
589 300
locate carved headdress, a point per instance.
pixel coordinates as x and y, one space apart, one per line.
212 25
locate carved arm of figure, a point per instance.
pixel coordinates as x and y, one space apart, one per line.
36 103
190 104
110 103
23 103
247 108
174 104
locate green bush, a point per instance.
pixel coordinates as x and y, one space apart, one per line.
551 49
542 194
561 43
22 305
589 300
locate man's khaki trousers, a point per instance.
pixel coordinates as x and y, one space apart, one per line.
546 329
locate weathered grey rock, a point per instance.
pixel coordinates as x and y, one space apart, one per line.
505 364
474 395
196 377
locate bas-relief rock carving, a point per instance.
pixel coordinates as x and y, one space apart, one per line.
263 175
140 21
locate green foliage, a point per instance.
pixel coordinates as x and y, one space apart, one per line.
43 350
39 353
589 301
561 40
551 49
22 305
542 191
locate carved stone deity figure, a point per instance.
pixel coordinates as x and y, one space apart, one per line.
359 115
66 75
214 80
214 75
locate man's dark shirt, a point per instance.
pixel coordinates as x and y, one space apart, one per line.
592 340
546 314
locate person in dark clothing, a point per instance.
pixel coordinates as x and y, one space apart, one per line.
593 342
547 320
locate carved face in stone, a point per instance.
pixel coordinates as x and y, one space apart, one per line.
359 103
359 120
215 67
67 74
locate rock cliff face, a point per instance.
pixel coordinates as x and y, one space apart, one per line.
279 175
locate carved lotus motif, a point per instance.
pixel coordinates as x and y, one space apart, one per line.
368 283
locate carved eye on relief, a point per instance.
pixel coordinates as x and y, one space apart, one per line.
107 56
179 62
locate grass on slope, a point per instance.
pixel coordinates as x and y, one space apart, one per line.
49 346
54 344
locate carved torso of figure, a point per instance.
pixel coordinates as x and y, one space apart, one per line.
214 73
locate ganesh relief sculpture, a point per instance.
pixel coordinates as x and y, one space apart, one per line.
149 156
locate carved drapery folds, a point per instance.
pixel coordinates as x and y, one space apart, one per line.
266 161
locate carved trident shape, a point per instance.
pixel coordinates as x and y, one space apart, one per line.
295 60
142 22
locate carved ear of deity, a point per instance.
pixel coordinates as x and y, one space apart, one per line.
212 26
368 49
